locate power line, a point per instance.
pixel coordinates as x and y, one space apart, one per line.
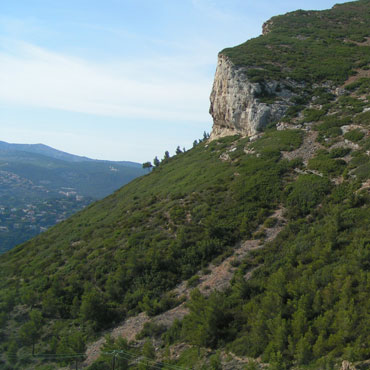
139 359
130 356
47 356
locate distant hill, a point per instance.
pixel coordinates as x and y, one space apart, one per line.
54 153
40 186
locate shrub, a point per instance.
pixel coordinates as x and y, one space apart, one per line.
339 152
333 121
358 160
292 112
313 115
304 194
354 135
361 86
327 165
151 329
193 281
322 96
363 118
274 141
270 222
363 172
350 104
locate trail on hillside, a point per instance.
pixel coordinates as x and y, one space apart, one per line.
217 280
307 150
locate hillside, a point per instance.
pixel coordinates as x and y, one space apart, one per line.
54 153
249 251
41 186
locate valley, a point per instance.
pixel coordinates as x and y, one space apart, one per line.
41 186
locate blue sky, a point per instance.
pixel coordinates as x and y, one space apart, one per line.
118 79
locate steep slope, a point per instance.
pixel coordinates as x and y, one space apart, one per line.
272 228
300 55
121 254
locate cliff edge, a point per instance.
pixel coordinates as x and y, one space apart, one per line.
239 106
296 56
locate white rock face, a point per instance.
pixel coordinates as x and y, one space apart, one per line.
235 106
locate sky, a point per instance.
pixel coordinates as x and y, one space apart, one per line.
119 79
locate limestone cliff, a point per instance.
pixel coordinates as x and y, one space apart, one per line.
236 105
266 27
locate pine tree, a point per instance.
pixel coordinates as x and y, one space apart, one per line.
156 161
166 155
147 165
11 353
30 332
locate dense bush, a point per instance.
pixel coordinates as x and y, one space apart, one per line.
313 115
363 118
361 86
354 135
339 152
309 46
307 303
363 172
273 142
323 163
304 194
328 123
123 254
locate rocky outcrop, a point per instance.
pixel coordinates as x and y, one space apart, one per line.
236 105
347 366
266 27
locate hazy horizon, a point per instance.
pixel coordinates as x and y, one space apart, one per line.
123 80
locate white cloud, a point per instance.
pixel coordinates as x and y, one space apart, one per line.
169 88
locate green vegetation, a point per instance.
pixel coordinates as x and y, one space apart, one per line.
299 301
40 186
310 46
363 118
307 303
91 178
324 163
121 255
273 142
20 222
330 126
339 152
360 86
305 193
313 115
354 135
363 172
193 281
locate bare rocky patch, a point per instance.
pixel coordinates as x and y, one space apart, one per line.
360 74
217 279
307 150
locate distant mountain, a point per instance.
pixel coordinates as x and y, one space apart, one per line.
54 153
40 186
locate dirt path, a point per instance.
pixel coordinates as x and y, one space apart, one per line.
218 279
361 73
307 150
